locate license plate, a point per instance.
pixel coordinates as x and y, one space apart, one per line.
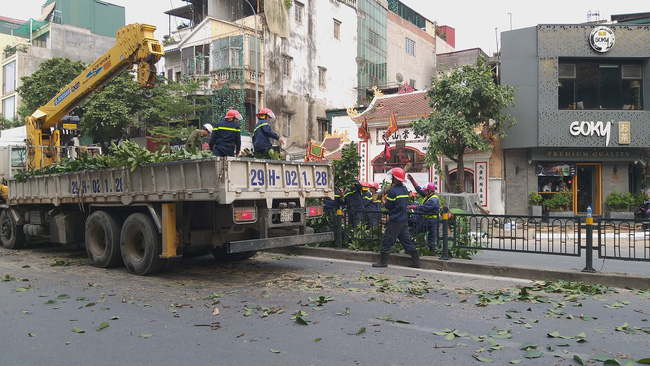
286 215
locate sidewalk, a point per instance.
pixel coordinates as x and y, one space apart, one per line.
615 273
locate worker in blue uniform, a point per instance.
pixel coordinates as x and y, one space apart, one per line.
262 134
397 228
226 135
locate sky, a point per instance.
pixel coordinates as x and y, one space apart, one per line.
475 21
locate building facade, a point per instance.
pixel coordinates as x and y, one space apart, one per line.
583 118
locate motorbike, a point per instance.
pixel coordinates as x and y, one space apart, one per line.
643 212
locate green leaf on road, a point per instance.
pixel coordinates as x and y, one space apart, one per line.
645 361
533 353
274 350
145 336
514 362
361 330
483 359
318 339
527 346
77 330
402 321
24 289
300 321
114 318
385 317
63 296
346 312
602 357
50 302
102 326
32 334
579 360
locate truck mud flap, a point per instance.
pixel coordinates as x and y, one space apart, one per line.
278 242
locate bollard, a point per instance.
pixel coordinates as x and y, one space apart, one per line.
445 236
590 244
338 230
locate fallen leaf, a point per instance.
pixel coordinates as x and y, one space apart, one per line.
102 326
77 330
216 311
274 350
145 336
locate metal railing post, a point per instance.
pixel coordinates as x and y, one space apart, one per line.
338 229
589 221
445 236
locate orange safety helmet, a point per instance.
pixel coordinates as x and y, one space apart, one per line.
233 113
268 113
399 174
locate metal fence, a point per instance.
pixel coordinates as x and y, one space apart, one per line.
566 236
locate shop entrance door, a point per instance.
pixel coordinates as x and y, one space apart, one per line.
588 191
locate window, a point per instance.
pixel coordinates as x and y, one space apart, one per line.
321 77
286 66
599 84
410 47
373 38
286 125
170 74
322 128
254 52
337 29
228 52
9 77
9 108
298 9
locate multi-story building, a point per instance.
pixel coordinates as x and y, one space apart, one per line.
581 109
315 55
59 33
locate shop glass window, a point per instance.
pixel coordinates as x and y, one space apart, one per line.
594 85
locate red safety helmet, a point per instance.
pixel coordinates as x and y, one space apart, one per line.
431 187
399 174
233 113
364 183
375 185
268 113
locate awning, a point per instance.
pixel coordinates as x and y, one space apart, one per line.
31 26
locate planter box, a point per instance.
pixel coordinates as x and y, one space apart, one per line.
623 215
535 210
561 217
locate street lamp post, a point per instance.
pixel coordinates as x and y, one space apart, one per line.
257 51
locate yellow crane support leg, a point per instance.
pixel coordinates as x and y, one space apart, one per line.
170 238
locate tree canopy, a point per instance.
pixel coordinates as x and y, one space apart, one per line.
468 113
107 115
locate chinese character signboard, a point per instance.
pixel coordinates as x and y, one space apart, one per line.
405 133
481 183
624 135
363 166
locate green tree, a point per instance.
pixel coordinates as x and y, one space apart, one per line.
40 87
346 170
7 123
466 102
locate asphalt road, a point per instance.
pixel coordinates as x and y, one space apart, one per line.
276 309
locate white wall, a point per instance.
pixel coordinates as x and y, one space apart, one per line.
418 67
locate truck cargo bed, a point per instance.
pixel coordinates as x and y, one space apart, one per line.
223 180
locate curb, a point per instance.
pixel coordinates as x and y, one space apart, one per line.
612 279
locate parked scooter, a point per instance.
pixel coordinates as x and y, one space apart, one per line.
643 212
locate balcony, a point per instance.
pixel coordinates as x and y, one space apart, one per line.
10 51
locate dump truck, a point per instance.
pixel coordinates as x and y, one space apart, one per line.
145 217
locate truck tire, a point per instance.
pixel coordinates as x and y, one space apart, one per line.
103 240
11 235
141 245
220 254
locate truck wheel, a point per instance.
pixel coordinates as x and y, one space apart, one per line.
220 254
141 245
103 240
11 235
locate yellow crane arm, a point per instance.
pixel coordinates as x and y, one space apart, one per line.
135 44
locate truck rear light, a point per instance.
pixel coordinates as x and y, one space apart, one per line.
314 211
245 214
